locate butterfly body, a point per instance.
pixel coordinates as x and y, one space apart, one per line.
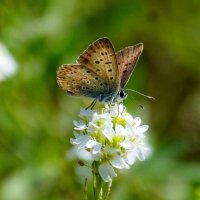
100 73
111 97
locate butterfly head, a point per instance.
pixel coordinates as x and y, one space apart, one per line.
121 95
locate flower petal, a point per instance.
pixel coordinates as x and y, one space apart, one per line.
86 112
140 154
97 148
80 141
80 125
118 162
129 118
136 121
106 171
108 132
131 157
120 130
126 144
142 129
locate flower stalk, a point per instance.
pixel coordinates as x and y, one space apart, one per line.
101 188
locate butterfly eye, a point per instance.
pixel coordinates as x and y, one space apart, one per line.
121 94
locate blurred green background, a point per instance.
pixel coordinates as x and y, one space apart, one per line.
36 116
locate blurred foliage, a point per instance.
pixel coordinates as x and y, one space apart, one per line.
36 116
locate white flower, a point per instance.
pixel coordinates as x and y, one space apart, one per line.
79 125
112 136
80 141
8 64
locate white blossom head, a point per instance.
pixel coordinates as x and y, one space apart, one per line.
114 139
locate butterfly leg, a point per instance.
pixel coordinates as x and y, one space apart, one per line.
123 107
94 103
118 108
91 106
111 102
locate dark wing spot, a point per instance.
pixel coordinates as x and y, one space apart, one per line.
97 62
88 71
101 84
109 70
84 59
111 78
97 70
88 54
96 78
125 71
108 62
102 53
106 53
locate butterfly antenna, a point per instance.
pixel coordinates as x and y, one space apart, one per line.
149 97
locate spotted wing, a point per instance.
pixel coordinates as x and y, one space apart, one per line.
78 80
100 58
126 60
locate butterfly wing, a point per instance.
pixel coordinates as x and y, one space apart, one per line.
100 58
126 60
78 80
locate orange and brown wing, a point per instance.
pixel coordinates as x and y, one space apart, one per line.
127 59
100 58
78 80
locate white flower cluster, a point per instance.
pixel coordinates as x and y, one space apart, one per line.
113 138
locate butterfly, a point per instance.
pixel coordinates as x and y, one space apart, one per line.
100 72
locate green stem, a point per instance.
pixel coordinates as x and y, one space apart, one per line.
101 188
96 181
85 190
108 189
